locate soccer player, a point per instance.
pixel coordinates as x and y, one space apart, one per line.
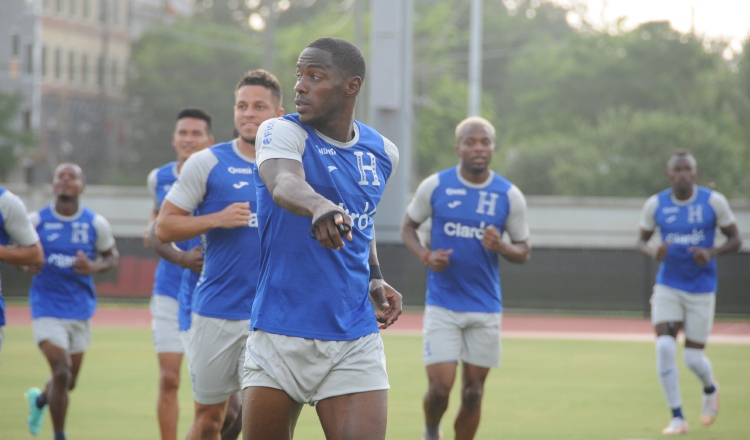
192 133
684 295
77 243
19 242
470 207
316 339
218 185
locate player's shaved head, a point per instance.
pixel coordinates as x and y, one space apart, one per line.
346 56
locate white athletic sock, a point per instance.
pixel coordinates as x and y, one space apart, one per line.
431 432
666 366
696 360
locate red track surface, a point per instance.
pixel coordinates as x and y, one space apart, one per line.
514 326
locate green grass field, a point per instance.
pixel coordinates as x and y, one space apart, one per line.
545 389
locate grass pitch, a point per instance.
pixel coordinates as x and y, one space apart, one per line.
545 389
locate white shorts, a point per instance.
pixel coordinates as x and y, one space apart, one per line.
310 370
70 334
164 325
469 336
695 311
217 353
185 336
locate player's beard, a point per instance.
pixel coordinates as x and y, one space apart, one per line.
249 141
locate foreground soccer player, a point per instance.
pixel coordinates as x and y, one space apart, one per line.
77 243
321 177
684 296
470 208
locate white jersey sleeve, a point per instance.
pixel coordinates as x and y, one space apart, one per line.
16 221
279 139
151 186
35 219
648 219
420 208
392 152
104 238
516 225
724 214
188 192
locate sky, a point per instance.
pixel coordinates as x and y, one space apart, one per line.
716 19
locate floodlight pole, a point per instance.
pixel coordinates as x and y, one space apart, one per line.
390 104
475 58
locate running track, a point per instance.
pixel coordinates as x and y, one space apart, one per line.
513 326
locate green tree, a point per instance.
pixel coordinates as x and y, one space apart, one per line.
11 139
188 64
624 154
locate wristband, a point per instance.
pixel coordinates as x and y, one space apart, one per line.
426 257
375 273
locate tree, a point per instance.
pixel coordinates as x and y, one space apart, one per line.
11 139
624 154
188 64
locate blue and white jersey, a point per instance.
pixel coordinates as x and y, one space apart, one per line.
57 291
187 286
168 276
210 181
15 228
297 274
686 224
460 211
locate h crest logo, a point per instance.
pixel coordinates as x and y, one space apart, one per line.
80 233
695 213
372 168
486 203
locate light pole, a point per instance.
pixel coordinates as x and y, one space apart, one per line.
475 58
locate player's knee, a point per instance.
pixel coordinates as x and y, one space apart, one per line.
62 377
438 392
693 359
471 397
666 346
72 383
209 421
169 380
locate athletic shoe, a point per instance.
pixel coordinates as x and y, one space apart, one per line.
677 426
710 407
34 421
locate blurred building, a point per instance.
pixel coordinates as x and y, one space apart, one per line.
68 59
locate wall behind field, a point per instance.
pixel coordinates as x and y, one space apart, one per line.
583 257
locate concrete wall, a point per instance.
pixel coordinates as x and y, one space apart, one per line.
583 258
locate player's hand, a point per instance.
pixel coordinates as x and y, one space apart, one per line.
326 229
192 259
146 234
389 302
82 265
661 252
701 256
439 259
492 239
33 269
235 215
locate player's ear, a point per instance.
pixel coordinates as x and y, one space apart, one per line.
353 85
